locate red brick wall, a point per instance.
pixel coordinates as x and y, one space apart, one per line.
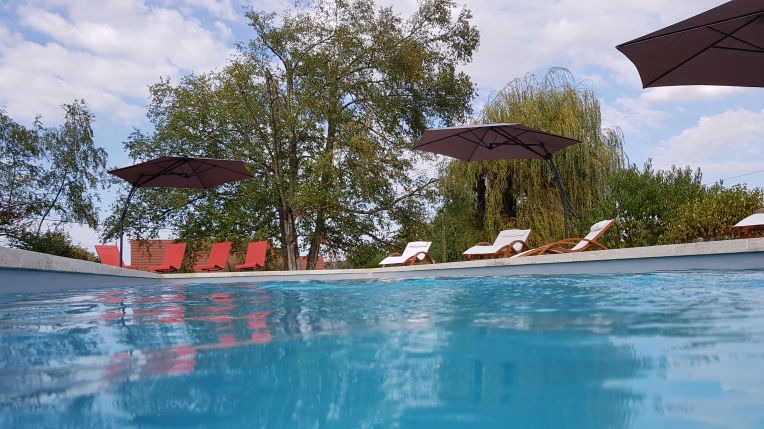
148 253
320 265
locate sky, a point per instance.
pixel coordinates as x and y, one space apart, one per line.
108 52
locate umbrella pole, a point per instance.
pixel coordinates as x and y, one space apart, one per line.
563 194
122 221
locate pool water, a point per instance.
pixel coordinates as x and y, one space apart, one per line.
664 350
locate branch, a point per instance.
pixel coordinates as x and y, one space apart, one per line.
395 201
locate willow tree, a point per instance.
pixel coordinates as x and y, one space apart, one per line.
523 193
322 104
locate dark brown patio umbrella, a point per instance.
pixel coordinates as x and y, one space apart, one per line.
722 46
178 172
498 141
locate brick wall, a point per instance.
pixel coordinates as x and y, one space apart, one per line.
148 253
320 265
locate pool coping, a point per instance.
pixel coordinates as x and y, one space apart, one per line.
59 273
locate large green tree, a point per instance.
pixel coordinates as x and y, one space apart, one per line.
322 104
481 198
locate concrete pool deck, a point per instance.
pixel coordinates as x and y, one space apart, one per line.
25 271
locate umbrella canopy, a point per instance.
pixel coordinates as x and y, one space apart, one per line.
722 46
492 141
183 172
498 141
178 172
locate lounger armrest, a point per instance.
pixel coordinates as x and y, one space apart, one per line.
507 250
483 243
556 247
416 258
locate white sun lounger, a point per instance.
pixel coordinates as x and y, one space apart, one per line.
414 252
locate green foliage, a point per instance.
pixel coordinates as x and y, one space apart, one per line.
48 170
646 202
20 152
76 168
53 243
322 104
712 216
523 193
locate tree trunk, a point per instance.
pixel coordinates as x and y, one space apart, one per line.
480 201
289 238
315 241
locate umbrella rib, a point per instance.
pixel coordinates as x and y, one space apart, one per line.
732 36
688 59
755 16
164 171
516 140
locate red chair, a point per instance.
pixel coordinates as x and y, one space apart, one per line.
218 257
172 259
255 256
109 255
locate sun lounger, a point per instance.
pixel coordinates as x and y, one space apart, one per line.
218 257
172 259
578 244
507 243
109 255
255 256
752 223
415 251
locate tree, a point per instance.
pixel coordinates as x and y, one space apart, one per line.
75 168
496 195
322 105
20 152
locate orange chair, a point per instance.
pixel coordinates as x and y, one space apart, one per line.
218 257
109 255
255 256
172 259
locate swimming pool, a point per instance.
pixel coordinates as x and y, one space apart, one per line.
605 351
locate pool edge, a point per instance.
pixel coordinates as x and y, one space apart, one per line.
59 273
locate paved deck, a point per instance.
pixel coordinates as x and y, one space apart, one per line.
24 271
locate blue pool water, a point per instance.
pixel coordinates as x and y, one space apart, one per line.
681 350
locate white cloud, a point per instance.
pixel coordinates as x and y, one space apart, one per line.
724 146
680 94
633 114
105 52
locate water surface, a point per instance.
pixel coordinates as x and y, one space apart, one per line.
680 350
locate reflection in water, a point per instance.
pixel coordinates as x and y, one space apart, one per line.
681 350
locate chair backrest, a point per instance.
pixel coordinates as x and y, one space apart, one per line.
219 253
595 232
256 253
509 235
108 254
173 255
415 247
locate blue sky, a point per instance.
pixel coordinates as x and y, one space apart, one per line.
109 51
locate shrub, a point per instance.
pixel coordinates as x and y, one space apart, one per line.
53 243
712 217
